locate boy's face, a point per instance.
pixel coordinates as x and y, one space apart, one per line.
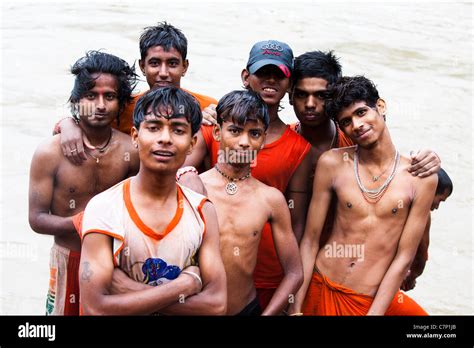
307 98
163 143
163 68
363 124
99 106
240 143
268 81
440 198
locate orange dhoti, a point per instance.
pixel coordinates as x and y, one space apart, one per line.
325 297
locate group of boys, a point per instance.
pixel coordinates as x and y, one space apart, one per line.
137 230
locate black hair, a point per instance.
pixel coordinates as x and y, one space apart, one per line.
164 35
242 106
182 104
100 62
444 183
349 90
320 64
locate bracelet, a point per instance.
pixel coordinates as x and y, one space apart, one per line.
184 170
194 275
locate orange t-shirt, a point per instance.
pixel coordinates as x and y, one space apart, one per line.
126 116
275 166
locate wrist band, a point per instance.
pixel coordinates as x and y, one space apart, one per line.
194 275
185 170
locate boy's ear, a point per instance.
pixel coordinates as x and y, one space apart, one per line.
192 145
245 76
290 95
186 66
381 107
134 135
216 132
141 64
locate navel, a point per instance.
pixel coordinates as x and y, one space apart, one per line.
349 205
394 210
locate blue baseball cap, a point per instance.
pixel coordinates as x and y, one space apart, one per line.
271 52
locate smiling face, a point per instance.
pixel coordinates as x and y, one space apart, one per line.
163 68
241 142
100 105
307 98
363 124
163 143
268 81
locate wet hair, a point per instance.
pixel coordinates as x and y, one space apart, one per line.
164 35
349 90
242 106
182 104
99 62
320 64
444 183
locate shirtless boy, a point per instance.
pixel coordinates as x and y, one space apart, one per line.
59 190
152 229
383 218
244 205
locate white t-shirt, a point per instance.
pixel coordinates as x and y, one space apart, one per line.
145 255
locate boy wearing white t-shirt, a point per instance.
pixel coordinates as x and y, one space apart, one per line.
151 228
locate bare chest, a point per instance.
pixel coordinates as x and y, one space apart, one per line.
393 203
241 216
89 179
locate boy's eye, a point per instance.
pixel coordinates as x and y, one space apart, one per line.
110 96
179 131
300 94
173 64
90 96
234 131
344 122
361 112
321 95
255 134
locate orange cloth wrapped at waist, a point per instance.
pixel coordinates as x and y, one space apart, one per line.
324 297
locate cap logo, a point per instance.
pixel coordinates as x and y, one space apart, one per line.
271 53
272 46
285 70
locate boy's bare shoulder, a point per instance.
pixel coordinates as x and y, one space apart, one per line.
333 157
49 149
271 195
124 139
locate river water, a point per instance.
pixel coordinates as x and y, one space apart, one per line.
419 55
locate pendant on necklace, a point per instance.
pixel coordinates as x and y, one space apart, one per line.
375 178
231 188
97 160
